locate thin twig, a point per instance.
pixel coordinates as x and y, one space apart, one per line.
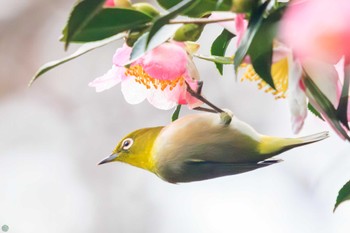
200 21
201 98
204 109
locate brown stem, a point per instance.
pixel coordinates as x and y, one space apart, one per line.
201 98
200 21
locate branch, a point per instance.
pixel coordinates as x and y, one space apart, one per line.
200 21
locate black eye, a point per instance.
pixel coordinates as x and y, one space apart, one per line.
127 143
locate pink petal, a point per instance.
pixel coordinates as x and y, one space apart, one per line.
109 79
109 3
166 62
122 55
296 96
318 29
134 93
188 99
241 26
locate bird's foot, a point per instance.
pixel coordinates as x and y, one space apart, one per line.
226 117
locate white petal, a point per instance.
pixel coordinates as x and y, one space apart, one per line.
108 80
134 93
280 51
296 96
160 99
325 77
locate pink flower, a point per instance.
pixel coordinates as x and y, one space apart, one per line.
159 76
318 29
109 3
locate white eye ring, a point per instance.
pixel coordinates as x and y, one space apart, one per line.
127 143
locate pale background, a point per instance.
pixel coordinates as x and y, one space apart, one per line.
53 134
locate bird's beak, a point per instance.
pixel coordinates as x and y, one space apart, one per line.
108 159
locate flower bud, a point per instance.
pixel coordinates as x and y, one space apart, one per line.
122 3
243 6
188 32
146 8
132 36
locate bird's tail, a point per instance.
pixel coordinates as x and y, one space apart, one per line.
273 145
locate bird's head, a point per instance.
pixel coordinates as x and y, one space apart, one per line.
136 149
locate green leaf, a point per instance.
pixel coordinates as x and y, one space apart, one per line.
313 110
200 9
253 27
82 50
176 113
110 21
173 12
321 103
81 14
342 110
160 37
261 48
343 195
219 46
216 59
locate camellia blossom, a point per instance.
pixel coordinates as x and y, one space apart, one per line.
159 76
318 33
317 29
279 69
286 72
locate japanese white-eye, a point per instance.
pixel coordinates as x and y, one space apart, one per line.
202 146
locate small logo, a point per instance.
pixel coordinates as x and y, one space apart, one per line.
5 228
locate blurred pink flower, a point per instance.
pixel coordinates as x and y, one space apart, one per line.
159 76
109 3
318 29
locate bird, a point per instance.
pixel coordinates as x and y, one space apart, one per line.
203 146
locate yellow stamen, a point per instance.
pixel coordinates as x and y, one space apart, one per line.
148 81
279 72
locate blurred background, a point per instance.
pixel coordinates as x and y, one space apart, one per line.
54 133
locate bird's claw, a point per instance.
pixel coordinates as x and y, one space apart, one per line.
226 117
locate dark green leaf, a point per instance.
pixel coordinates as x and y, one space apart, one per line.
200 9
322 104
343 195
82 50
81 14
110 21
160 37
216 59
219 46
253 27
342 110
262 63
261 50
259 43
176 113
173 12
314 111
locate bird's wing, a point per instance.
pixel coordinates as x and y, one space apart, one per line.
201 170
